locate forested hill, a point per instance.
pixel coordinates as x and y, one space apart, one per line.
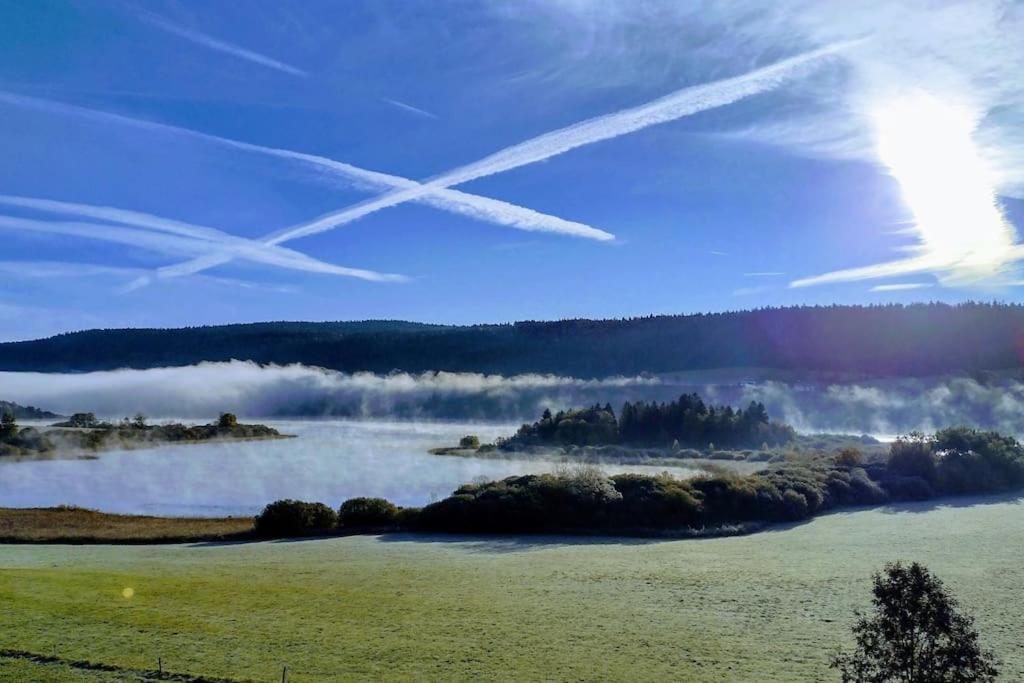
875 340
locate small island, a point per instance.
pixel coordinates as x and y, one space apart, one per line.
84 434
657 433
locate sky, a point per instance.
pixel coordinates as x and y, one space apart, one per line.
174 163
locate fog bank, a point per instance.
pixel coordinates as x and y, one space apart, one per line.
204 390
246 388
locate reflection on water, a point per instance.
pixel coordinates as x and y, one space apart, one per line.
330 461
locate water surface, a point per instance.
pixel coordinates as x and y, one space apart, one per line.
329 461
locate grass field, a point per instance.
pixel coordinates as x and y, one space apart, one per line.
768 607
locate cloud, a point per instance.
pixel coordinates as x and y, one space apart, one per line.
250 389
212 43
910 266
765 273
900 286
890 407
409 108
952 268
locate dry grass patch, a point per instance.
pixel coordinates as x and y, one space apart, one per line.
79 525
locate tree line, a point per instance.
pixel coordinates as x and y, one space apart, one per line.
685 422
891 340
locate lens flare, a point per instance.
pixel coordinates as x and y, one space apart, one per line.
928 146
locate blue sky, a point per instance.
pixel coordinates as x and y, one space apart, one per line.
815 152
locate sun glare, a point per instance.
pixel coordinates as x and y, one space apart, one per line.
929 148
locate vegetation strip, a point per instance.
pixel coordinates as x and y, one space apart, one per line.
85 665
84 433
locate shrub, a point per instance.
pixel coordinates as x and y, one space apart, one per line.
285 518
977 462
356 512
911 456
469 441
227 421
849 457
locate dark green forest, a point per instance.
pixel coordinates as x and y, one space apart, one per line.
890 340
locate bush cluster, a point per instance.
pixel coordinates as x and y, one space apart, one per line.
587 499
289 518
295 518
367 512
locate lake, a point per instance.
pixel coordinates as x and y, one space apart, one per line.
329 461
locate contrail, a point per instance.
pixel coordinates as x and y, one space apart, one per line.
684 102
410 108
676 105
185 245
219 45
472 206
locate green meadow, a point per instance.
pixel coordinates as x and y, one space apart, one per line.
772 606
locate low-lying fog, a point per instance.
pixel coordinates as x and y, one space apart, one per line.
392 420
202 391
330 461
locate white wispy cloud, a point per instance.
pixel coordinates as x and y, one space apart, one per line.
409 108
900 286
765 273
200 38
909 266
462 203
935 97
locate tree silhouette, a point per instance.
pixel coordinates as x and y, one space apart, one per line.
917 635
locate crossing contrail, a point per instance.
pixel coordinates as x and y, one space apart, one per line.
684 102
472 206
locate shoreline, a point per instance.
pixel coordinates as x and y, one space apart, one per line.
81 526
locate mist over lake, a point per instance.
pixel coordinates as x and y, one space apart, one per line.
809 402
330 460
